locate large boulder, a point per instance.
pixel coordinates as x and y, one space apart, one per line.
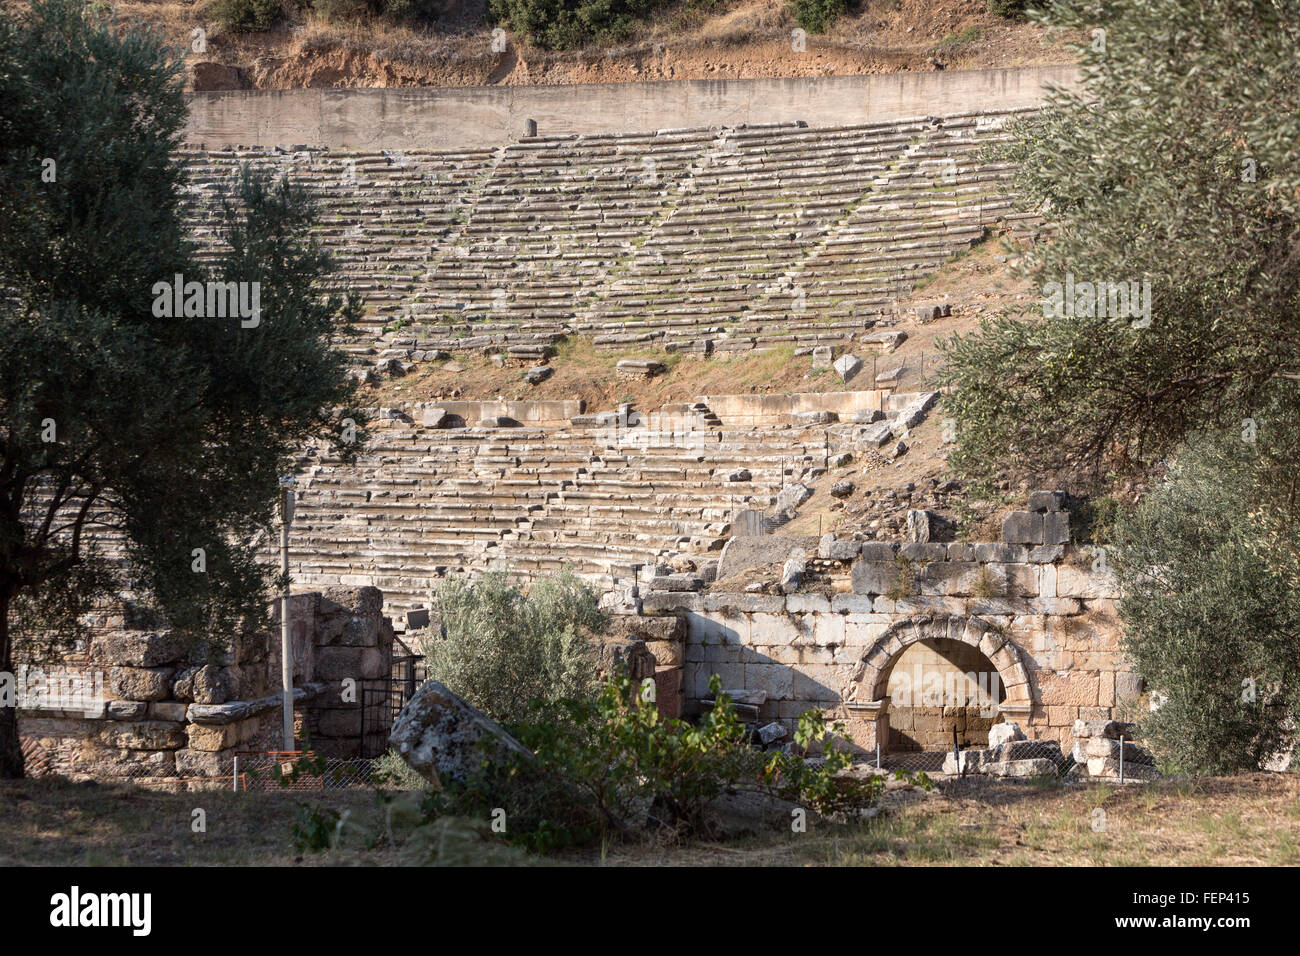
444 737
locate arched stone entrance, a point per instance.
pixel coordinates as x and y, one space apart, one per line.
957 639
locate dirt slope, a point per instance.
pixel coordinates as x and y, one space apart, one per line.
744 38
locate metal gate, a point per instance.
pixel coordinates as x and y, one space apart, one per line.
382 699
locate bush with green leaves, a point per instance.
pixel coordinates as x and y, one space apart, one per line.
1009 9
816 16
247 16
1175 163
1211 602
608 768
398 11
564 24
505 650
315 829
392 772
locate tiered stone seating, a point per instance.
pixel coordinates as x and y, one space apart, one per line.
384 216
701 239
423 502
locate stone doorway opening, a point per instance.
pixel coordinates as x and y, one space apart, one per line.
937 686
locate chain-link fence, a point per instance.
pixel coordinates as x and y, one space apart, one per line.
265 771
1024 759
1089 758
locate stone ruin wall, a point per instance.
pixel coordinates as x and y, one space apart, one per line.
167 713
1029 607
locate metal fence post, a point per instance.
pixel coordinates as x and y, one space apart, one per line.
877 754
1121 758
235 774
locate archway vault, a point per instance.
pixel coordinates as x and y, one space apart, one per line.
871 676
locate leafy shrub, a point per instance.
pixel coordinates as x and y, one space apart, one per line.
504 650
1210 580
1009 9
313 831
563 24
247 16
609 767
396 10
816 16
390 770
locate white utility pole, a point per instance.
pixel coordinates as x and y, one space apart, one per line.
286 653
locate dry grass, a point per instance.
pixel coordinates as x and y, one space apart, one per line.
1250 820
585 372
54 822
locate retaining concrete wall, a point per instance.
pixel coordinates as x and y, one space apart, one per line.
487 116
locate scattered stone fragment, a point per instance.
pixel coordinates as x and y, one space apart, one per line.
1001 733
792 496
771 733
793 571
920 525
847 366
640 368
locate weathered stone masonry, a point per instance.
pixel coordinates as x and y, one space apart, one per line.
1030 606
170 714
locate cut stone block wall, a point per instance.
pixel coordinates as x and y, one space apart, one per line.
1040 615
158 709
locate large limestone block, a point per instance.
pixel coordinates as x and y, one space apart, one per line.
873 577
210 738
1001 733
203 684
1105 747
1085 583
139 648
140 683
442 736
625 657
667 653
1036 767
1046 500
204 763
1114 729
1023 527
649 629
351 617
143 735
